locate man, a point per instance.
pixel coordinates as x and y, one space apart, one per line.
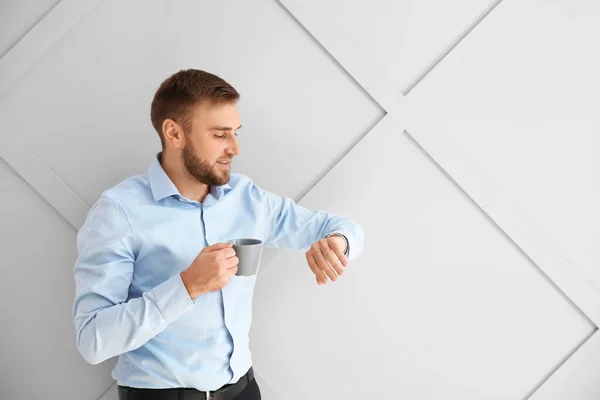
155 280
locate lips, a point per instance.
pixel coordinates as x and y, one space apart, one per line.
224 165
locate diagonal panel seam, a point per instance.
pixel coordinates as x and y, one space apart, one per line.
23 55
40 39
42 179
355 61
381 124
453 46
574 375
434 141
106 394
270 385
569 356
392 120
591 308
30 28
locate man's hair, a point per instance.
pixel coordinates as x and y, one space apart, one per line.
183 90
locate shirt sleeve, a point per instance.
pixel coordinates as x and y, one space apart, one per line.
296 227
106 322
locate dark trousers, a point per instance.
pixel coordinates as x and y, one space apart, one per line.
250 392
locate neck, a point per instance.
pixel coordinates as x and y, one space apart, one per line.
186 184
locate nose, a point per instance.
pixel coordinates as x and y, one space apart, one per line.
234 148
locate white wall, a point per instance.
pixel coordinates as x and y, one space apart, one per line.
463 136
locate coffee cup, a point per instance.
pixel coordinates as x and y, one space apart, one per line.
249 252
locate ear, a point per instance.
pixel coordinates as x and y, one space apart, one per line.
173 134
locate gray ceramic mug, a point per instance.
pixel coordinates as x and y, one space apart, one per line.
249 252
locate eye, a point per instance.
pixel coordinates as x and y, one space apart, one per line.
220 136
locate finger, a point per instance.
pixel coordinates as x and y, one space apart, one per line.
232 271
217 247
232 262
312 263
324 266
227 252
332 259
313 267
342 257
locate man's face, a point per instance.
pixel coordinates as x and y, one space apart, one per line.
212 140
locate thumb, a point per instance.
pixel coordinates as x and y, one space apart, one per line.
216 247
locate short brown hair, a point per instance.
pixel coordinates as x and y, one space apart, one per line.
181 91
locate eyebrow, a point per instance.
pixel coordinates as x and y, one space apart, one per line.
222 128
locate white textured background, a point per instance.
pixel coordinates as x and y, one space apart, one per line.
463 136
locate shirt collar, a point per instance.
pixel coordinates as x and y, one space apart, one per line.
162 186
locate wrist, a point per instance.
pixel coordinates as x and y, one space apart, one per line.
345 240
192 290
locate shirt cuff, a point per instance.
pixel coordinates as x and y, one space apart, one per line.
172 298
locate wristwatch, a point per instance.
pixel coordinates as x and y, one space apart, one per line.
347 251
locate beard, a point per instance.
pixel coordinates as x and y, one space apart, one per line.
203 171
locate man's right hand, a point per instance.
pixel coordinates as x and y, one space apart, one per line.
211 270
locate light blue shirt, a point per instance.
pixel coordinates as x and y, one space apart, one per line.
130 300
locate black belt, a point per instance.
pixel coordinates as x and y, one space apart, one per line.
227 392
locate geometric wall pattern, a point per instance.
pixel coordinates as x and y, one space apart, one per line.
463 137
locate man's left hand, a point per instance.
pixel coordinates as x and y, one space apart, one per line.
326 258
